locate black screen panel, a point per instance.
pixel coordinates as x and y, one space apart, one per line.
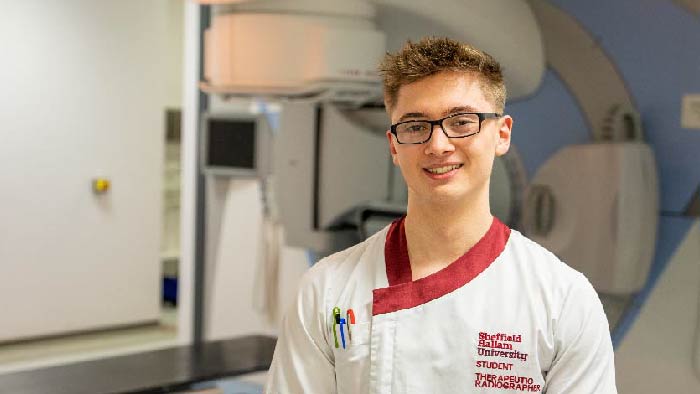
231 143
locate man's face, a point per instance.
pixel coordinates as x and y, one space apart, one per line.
435 97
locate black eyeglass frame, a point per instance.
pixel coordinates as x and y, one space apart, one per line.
482 116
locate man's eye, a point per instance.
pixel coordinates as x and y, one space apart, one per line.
413 128
463 122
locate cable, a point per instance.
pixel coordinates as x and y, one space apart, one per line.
266 289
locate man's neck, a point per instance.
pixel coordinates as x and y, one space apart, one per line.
438 234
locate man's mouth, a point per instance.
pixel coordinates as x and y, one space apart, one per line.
444 169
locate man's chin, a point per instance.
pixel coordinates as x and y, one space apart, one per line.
445 194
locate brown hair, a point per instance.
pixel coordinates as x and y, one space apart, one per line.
432 55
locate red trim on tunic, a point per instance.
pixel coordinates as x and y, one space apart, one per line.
399 270
403 293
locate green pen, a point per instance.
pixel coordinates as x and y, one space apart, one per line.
336 321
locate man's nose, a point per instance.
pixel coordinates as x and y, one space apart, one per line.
438 142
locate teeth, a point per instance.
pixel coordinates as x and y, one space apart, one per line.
442 170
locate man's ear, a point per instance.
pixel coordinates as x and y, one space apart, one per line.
505 126
392 147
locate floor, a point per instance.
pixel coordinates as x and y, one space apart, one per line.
247 384
85 346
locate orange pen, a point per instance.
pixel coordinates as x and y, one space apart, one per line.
350 320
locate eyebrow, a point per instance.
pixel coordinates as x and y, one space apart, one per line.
453 110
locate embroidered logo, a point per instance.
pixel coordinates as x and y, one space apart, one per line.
502 346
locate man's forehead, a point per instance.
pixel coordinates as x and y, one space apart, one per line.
446 112
440 95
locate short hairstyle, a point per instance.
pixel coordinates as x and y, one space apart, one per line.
432 55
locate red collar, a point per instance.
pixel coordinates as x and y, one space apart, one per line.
403 293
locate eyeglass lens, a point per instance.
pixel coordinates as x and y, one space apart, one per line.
455 126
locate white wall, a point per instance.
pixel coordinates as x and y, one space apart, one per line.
172 12
84 87
657 354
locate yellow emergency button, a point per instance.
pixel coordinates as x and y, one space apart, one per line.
100 185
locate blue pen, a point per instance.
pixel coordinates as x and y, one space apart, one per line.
342 334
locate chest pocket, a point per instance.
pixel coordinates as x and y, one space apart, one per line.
352 363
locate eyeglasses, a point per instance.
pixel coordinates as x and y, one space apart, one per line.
459 125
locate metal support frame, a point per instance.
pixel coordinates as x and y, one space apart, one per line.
200 200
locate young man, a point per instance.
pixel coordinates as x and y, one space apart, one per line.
447 299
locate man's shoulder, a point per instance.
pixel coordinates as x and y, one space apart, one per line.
339 266
539 262
549 279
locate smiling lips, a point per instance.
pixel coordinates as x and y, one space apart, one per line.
443 170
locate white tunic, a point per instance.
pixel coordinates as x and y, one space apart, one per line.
507 317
